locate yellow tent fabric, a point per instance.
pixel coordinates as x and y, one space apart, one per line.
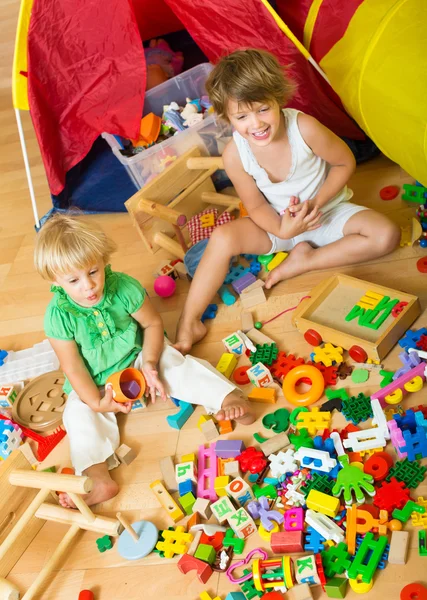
19 70
379 70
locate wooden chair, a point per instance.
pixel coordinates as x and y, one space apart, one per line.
162 209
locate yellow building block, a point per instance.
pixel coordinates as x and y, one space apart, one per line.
166 500
220 484
175 542
188 458
370 300
265 395
314 420
323 503
328 354
226 364
279 258
204 419
206 596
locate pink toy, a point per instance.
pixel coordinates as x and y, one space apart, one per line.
164 286
294 519
207 467
243 563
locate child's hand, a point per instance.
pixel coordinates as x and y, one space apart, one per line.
295 205
303 220
108 404
153 382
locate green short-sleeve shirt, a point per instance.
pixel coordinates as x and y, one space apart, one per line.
108 337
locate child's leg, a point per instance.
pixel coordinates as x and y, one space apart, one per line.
238 237
93 439
367 235
196 381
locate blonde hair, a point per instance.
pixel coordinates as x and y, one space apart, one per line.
248 76
66 243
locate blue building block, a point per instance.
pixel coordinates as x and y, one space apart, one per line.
235 596
236 272
250 257
226 296
384 558
210 312
406 422
178 420
175 401
187 486
3 355
255 267
411 338
416 444
327 446
313 541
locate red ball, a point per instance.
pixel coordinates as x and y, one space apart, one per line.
164 286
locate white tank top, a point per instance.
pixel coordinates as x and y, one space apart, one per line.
306 175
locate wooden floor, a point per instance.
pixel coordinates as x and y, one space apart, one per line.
23 298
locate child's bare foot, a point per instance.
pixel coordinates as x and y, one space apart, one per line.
236 407
297 262
103 488
188 333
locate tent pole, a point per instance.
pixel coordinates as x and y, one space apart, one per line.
27 167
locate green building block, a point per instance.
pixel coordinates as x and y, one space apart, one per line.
104 543
410 472
336 560
387 377
206 553
422 542
368 557
267 490
414 193
404 514
249 589
318 482
49 470
357 409
187 502
303 440
230 540
341 393
336 587
265 353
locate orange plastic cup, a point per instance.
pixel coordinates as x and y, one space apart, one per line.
121 378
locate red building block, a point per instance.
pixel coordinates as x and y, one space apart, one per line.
189 563
391 495
213 540
286 542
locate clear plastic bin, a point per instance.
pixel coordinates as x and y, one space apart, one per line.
211 135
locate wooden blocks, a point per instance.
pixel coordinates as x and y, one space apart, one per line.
259 375
253 294
220 484
275 444
225 426
189 563
240 491
184 471
209 430
257 337
247 320
125 454
264 395
398 547
299 592
234 344
232 468
222 509
202 507
168 474
287 542
166 500
241 523
336 587
226 364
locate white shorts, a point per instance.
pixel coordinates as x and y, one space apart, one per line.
94 437
330 231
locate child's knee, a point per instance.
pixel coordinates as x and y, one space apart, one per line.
224 239
389 238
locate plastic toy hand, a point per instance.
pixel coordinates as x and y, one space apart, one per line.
293 224
153 382
351 479
108 404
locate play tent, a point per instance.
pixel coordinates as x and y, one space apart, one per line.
81 67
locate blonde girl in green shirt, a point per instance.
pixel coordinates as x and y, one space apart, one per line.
99 322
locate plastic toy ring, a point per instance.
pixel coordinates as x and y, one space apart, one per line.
306 398
389 192
414 591
422 265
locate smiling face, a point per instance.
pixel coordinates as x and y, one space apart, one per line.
84 286
258 122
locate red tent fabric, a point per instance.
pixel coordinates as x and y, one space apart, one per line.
86 71
155 18
248 24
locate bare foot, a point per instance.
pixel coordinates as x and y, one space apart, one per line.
189 333
103 489
236 407
297 262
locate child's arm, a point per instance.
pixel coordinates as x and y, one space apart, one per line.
334 151
152 324
259 210
82 383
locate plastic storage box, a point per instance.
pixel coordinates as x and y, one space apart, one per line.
211 135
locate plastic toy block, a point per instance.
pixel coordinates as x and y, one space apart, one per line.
168 473
330 374
411 473
397 438
350 481
414 193
189 563
393 392
277 421
178 420
259 375
377 466
415 444
391 495
229 448
222 509
315 459
184 487
226 364
314 541
336 560
235 596
282 463
166 500
266 354
287 542
367 558
314 420
260 509
226 296
225 426
193 520
275 444
232 468
248 588
301 441
187 502
252 460
184 471
202 507
220 485
206 596
403 514
235 273
325 526
243 282
301 591
236 543
241 523
234 344
344 371
264 395
206 553
207 469
357 409
328 354
370 300
255 267
294 519
210 312
283 364
366 439
336 587
191 457
209 430
422 543
240 491
247 320
213 540
398 547
104 543
323 503
174 542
